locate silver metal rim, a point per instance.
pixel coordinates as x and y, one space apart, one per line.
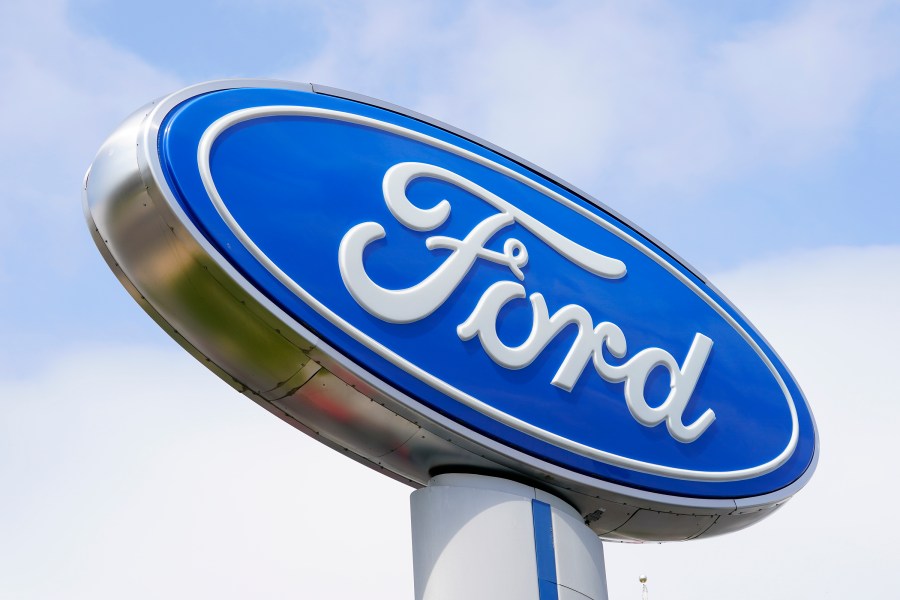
495 455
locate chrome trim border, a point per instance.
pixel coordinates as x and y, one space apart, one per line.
172 271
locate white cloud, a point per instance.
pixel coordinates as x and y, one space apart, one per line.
799 85
607 91
63 93
134 473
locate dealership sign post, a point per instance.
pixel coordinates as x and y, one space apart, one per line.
544 372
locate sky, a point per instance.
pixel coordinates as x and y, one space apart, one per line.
759 140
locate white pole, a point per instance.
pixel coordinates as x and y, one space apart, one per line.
486 538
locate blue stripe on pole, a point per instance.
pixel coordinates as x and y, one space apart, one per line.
544 551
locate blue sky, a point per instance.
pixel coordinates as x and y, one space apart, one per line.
759 141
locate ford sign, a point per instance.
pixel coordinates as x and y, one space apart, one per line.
426 303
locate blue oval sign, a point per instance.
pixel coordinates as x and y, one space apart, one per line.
488 292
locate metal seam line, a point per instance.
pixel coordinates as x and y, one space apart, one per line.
544 552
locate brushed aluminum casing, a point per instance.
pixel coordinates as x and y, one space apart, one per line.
209 308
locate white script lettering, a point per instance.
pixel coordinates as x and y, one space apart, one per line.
417 302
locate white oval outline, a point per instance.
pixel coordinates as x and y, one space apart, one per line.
242 115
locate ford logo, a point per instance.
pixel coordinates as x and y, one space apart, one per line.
456 288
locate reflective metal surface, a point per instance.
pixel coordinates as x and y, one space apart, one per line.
200 300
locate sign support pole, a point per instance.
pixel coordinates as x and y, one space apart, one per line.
488 538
